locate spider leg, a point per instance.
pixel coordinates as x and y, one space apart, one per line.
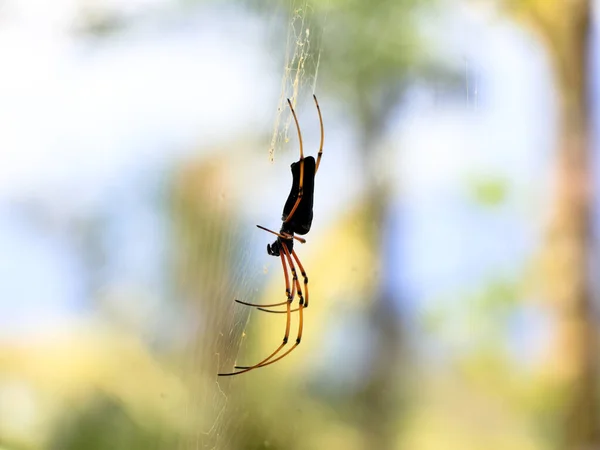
259 305
303 276
301 161
277 312
322 134
283 236
287 292
298 128
305 288
287 326
268 360
272 305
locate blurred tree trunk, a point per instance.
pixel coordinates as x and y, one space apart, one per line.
565 27
380 394
570 235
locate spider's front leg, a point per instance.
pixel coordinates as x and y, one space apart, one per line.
305 287
287 327
268 360
303 275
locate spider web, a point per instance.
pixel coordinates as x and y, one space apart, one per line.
300 69
248 269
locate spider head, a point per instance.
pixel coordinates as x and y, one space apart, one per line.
275 249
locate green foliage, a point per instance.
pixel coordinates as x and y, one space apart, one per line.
103 424
482 314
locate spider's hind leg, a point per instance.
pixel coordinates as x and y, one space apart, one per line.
301 162
322 135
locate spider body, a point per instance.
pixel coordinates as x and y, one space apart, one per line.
301 221
297 219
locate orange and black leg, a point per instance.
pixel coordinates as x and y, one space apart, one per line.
301 161
287 326
322 134
268 361
263 307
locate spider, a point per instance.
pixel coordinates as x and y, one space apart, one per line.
297 218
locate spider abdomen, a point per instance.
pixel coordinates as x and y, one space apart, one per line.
302 218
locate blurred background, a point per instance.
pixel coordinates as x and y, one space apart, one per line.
453 253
